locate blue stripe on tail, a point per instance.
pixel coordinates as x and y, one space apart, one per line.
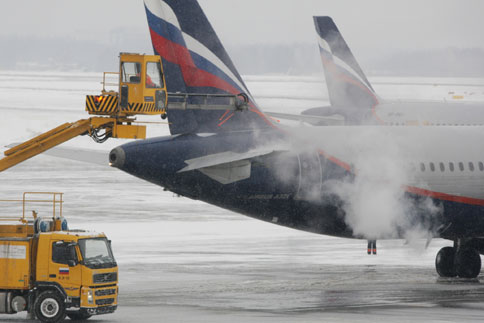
195 61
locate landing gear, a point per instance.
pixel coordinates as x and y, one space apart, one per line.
461 260
467 263
444 262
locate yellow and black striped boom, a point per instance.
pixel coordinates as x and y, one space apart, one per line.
101 104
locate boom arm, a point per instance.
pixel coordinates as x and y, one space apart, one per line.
53 138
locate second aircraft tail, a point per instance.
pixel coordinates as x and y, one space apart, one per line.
347 84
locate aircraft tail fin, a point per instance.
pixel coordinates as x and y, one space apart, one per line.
195 61
347 84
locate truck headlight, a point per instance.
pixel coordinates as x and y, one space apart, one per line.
90 297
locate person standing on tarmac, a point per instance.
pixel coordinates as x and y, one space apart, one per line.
372 247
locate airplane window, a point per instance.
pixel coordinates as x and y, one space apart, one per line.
432 167
481 166
422 167
451 166
471 166
461 166
442 167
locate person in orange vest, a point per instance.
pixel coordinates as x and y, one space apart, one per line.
149 82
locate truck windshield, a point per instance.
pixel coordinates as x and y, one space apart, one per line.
96 253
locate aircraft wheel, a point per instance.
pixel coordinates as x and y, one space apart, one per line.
444 262
467 263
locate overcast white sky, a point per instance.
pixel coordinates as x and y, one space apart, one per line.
368 25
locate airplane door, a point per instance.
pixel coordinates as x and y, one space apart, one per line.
310 176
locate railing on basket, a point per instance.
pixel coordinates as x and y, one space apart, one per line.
55 200
104 83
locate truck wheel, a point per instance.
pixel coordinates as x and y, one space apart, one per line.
49 307
78 316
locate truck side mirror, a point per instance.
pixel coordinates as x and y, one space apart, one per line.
71 263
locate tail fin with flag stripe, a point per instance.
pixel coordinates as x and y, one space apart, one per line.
195 61
347 84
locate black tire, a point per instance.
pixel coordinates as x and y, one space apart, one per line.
79 315
467 263
444 262
49 307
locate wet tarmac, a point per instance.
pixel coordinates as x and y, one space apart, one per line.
290 293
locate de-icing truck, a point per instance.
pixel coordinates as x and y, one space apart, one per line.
50 271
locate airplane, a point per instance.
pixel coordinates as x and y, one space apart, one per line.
325 180
354 100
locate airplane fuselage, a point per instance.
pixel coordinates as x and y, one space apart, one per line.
401 113
291 185
429 113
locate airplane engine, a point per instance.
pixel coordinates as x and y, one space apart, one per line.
298 174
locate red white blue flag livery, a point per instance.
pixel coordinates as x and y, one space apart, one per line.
64 271
195 61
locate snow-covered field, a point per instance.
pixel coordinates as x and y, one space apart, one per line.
197 254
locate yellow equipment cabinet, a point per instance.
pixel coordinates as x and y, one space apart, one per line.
15 263
52 272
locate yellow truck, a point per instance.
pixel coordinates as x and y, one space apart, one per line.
51 271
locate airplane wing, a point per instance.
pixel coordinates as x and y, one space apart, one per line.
91 156
84 155
312 119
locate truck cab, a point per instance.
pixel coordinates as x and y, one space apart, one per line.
81 266
51 271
